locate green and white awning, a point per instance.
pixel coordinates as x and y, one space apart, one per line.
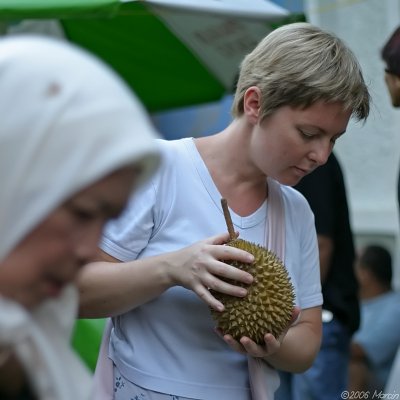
171 52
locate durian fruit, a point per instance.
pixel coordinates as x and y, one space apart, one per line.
268 305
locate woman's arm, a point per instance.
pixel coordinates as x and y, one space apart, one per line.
109 287
301 344
295 350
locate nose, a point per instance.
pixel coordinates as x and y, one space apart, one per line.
321 151
87 242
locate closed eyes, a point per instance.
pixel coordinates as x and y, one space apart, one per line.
309 136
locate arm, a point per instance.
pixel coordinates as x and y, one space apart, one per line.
109 287
300 345
325 247
359 374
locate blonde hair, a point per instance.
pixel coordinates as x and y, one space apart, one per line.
299 64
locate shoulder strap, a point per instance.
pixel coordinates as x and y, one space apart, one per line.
276 220
274 241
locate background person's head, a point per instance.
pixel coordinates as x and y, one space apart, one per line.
391 56
374 271
74 141
298 65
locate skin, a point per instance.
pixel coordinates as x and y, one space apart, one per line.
52 254
111 291
325 247
297 141
393 86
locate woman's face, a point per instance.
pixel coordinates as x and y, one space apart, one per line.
50 256
292 142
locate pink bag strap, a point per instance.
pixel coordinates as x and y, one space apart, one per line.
276 220
104 373
275 241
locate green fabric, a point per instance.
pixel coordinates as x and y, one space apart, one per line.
20 9
134 42
153 61
87 338
146 54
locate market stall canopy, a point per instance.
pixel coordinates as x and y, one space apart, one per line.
171 52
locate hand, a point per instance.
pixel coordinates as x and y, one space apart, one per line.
271 344
199 268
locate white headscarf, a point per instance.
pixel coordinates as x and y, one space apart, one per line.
66 121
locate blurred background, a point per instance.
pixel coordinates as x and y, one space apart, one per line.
369 153
182 104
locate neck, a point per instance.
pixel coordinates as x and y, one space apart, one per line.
367 293
227 157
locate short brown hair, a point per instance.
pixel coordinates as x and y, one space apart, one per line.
299 64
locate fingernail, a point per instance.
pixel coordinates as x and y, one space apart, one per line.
249 279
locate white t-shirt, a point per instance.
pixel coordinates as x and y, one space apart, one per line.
169 344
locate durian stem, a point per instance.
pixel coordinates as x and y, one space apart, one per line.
228 219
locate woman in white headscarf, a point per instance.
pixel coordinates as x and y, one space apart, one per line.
73 142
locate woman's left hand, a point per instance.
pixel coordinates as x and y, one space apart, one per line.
271 344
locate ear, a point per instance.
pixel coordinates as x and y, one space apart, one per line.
393 85
252 103
396 82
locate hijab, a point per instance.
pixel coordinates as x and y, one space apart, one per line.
66 121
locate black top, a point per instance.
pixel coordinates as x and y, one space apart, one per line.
398 190
325 191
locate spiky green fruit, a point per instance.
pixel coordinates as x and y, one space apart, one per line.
268 305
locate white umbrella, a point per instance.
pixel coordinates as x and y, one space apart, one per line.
172 52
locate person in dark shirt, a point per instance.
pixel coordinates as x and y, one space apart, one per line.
327 378
374 345
390 54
